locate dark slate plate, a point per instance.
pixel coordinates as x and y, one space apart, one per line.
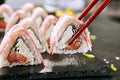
61 66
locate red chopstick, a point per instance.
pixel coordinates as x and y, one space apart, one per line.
87 9
90 19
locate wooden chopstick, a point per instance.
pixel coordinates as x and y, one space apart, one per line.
87 9
90 19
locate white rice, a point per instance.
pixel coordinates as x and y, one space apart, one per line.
49 31
59 48
3 62
39 45
25 51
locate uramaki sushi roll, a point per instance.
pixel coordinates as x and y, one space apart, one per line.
28 8
18 48
64 29
34 32
5 13
38 15
47 28
15 18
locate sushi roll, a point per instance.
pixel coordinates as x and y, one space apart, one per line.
28 8
5 13
38 15
18 48
64 29
34 32
46 29
15 18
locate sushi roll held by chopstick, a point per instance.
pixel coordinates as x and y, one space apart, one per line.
64 29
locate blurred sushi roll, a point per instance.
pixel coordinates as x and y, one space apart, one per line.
15 18
38 15
5 13
28 8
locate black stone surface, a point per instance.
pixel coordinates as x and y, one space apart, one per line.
85 68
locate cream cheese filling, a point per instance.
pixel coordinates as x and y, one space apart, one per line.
64 38
24 50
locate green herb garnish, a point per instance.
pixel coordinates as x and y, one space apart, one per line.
15 46
74 30
1 18
113 67
88 55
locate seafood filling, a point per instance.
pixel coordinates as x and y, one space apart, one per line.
20 53
68 33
